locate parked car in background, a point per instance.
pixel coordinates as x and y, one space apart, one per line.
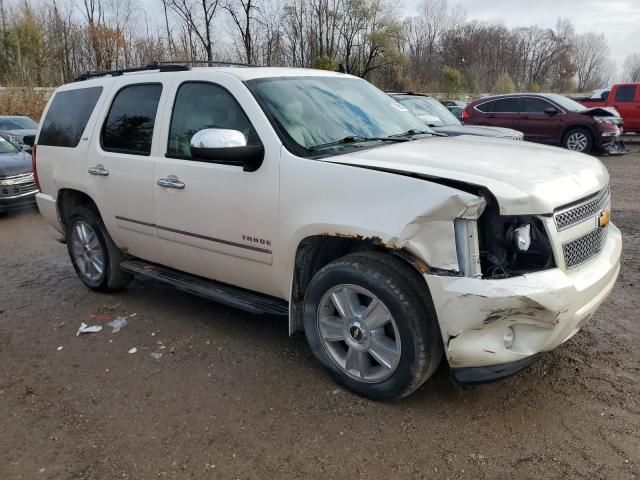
552 119
453 103
441 120
457 111
625 98
19 129
17 185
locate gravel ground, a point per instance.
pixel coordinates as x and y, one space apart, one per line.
233 397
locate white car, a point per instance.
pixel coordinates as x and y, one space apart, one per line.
315 195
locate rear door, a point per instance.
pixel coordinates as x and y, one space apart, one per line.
120 166
537 125
503 112
626 99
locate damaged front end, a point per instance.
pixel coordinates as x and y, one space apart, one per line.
508 300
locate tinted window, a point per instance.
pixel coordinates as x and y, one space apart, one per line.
534 105
67 117
203 105
129 125
506 105
626 93
485 107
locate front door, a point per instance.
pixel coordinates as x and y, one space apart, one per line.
537 125
213 218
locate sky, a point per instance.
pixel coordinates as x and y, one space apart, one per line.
618 20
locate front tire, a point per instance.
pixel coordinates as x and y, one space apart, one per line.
578 140
95 258
370 322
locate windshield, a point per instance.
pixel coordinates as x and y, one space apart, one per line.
6 146
17 123
322 112
566 102
430 111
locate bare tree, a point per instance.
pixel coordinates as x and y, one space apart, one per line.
197 16
243 14
591 53
632 68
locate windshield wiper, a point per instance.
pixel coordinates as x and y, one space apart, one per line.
358 139
412 132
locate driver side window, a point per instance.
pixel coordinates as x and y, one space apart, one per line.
201 105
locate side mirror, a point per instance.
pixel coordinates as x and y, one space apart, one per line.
551 110
226 146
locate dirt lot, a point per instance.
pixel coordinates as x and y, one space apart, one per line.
234 397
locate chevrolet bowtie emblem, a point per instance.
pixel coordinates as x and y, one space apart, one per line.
603 219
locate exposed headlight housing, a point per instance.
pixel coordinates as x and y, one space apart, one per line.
612 120
522 237
17 139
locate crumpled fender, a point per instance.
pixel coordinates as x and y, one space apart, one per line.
431 236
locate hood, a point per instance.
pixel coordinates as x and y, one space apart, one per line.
454 130
601 112
525 178
14 164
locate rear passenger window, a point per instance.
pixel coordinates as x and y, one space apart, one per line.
626 93
129 125
485 107
204 105
67 117
506 105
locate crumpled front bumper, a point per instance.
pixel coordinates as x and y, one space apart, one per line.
543 309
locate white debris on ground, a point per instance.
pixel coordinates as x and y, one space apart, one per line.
84 328
133 350
157 355
117 324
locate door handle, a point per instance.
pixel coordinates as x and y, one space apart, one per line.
171 182
98 170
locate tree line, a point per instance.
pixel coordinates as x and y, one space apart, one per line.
438 49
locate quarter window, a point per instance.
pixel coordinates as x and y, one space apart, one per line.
506 105
129 125
67 117
203 105
534 105
626 93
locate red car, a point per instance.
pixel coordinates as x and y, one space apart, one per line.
625 98
552 119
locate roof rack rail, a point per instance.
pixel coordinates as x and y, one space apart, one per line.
160 66
210 63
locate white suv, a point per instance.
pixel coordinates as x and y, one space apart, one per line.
315 195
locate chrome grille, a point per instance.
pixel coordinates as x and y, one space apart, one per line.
575 214
17 185
583 248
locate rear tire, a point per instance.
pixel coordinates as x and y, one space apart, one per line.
95 258
578 140
370 322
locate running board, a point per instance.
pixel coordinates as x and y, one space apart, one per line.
233 296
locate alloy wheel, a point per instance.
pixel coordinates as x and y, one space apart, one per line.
87 251
359 333
577 142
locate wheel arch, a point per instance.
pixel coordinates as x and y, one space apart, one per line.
69 198
315 251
